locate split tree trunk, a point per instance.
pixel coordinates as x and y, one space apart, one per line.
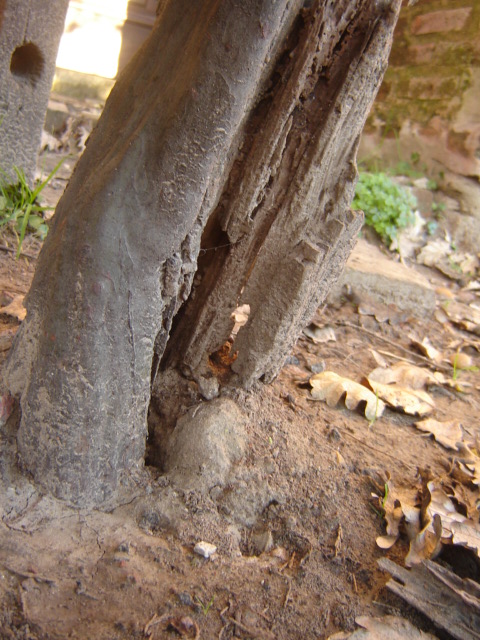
231 136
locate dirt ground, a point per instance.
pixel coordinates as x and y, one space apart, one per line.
294 526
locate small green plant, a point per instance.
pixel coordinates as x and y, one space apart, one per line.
20 206
205 607
387 206
438 207
385 496
454 265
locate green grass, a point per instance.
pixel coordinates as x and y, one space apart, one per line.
20 207
205 607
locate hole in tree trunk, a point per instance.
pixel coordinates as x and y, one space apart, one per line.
27 62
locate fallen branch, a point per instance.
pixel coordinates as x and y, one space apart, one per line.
451 603
394 344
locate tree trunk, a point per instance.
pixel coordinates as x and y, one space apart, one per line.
226 152
30 32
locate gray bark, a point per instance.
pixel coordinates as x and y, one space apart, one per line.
235 126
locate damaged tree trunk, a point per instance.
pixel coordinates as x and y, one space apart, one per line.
226 151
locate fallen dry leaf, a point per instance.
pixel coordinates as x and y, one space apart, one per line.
330 388
319 334
441 255
467 534
426 544
379 359
473 468
468 463
465 316
446 433
427 349
464 498
380 312
386 542
15 308
456 528
434 252
399 510
414 402
438 503
405 375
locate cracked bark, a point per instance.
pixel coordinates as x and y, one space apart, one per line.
226 152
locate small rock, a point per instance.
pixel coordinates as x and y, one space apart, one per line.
461 360
262 541
204 445
204 549
208 387
186 599
281 553
421 183
334 434
318 367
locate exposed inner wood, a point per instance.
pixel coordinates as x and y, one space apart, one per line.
282 230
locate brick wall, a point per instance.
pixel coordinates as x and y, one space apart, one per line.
429 103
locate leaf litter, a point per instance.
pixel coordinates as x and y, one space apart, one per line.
324 454
331 388
447 433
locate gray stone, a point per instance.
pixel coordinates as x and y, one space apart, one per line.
205 443
262 541
208 387
466 231
30 32
369 272
466 191
205 549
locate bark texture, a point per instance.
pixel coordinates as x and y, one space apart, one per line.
30 32
283 225
232 135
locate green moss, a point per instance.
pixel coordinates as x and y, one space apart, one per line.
387 206
456 56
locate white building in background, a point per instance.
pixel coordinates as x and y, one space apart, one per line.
101 36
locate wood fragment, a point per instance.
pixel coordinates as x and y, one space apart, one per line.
287 595
451 603
338 541
379 336
22 253
354 580
254 633
226 623
29 574
171 620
